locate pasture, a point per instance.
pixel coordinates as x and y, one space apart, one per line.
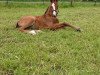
61 52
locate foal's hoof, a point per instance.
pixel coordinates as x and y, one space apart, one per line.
78 29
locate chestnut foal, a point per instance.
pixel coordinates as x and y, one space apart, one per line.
47 21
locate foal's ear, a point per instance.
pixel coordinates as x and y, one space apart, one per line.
52 1
56 0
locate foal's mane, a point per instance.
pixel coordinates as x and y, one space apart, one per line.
46 10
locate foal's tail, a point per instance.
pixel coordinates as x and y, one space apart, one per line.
17 26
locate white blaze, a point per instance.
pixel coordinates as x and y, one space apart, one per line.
53 5
54 12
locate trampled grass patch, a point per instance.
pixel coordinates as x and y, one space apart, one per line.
62 52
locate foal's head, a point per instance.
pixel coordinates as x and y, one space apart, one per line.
53 8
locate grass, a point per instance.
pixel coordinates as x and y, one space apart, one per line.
62 52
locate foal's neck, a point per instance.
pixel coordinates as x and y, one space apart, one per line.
48 11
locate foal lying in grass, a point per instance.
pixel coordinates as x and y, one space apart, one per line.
47 21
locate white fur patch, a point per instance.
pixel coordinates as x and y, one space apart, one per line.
54 13
32 32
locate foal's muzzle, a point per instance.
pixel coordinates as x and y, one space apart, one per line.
55 12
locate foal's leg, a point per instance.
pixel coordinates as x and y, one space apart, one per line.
55 26
25 23
23 29
62 25
74 27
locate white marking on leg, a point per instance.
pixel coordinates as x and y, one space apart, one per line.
32 32
37 31
53 6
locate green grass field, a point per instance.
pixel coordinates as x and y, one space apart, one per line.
62 52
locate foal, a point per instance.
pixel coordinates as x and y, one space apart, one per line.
47 21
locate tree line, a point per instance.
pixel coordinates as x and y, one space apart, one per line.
47 0
71 1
